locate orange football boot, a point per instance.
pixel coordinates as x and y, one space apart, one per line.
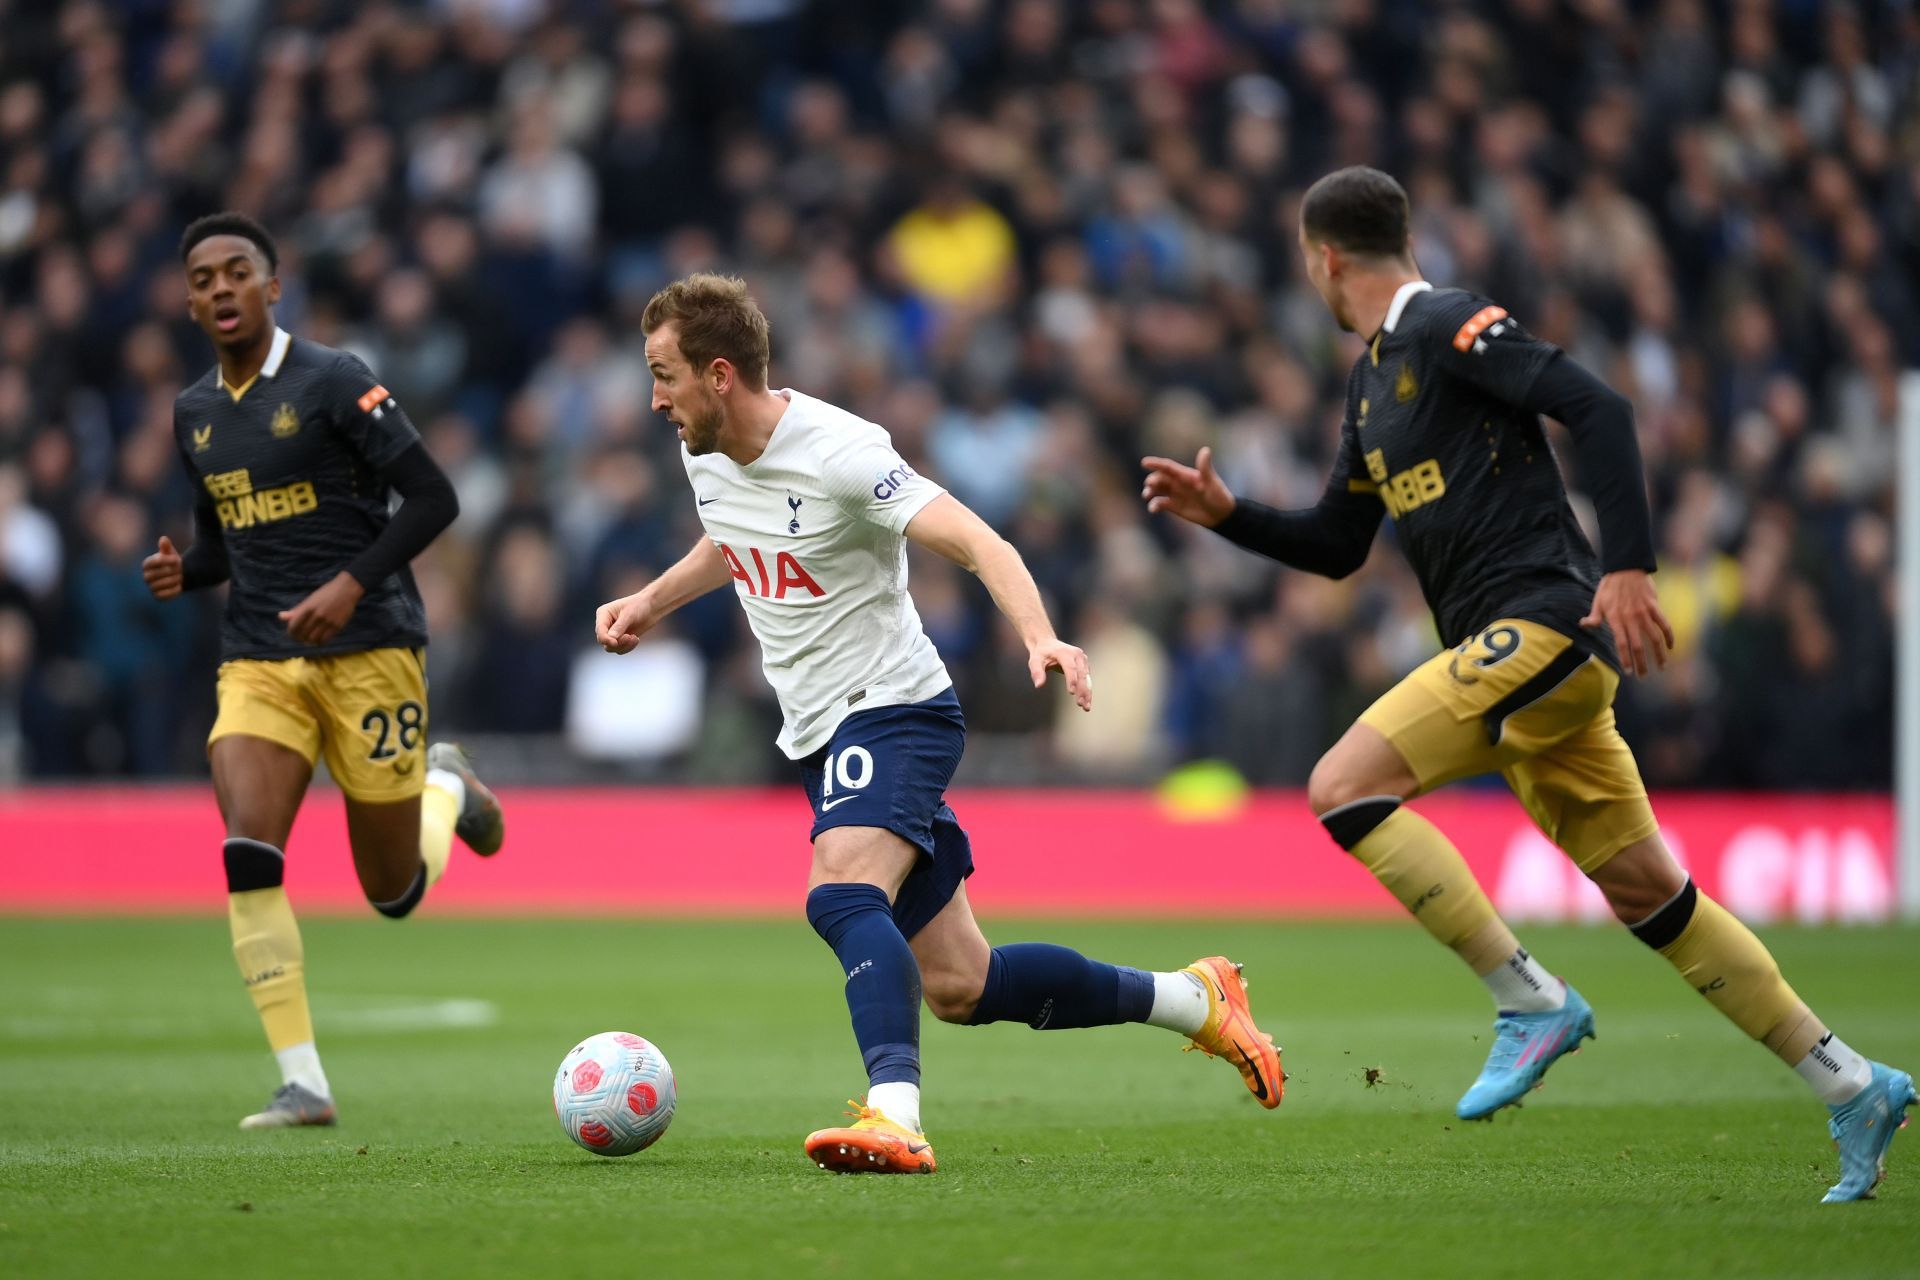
1229 1031
871 1144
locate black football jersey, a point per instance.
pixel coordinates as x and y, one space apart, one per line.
1434 427
290 467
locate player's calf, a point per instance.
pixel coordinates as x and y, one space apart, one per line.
882 991
272 961
1054 988
1723 960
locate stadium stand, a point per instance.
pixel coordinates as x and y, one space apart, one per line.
1034 240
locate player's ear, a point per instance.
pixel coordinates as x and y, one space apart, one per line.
273 290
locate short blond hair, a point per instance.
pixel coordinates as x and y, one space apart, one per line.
717 319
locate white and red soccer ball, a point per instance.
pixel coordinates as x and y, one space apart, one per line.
614 1093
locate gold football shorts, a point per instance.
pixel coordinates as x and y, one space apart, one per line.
366 712
1520 700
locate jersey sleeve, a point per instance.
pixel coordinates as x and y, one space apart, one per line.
205 563
866 476
1349 475
366 414
1481 344
1490 349
1331 538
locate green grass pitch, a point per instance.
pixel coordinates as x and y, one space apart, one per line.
1671 1146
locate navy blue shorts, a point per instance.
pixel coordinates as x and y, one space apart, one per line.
889 767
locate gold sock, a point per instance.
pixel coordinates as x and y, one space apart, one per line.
1739 977
266 944
439 810
1422 869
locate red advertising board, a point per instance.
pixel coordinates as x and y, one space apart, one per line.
683 851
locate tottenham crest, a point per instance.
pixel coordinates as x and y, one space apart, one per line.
793 504
286 422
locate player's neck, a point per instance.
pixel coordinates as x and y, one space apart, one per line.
1372 297
750 425
240 365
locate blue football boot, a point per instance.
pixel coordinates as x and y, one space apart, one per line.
1863 1129
1524 1046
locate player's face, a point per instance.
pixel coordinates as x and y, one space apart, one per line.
689 403
230 290
1318 258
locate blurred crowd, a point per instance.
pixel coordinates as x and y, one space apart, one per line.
1034 239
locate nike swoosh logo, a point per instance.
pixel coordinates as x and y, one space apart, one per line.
842 800
1259 1081
705 501
913 1150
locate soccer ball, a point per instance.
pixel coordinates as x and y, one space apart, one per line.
614 1094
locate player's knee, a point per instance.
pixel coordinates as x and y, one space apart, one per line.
1331 785
396 899
252 864
1639 881
259 823
951 996
1633 903
861 855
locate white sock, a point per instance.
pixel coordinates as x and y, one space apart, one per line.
451 783
1520 985
1179 1003
300 1064
1834 1071
898 1101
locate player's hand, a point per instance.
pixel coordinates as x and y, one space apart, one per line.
1628 604
1058 655
619 624
319 617
1195 493
163 572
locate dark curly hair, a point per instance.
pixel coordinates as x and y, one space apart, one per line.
230 224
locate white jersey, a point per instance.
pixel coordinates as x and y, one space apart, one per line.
813 531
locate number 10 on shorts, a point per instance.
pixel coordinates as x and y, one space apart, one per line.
852 765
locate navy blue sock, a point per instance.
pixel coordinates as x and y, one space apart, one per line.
883 978
1052 988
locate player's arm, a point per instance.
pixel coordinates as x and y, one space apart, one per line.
946 527
1492 351
168 572
1600 421
428 505
1331 538
619 624
377 428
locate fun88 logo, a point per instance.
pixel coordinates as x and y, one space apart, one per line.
889 484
